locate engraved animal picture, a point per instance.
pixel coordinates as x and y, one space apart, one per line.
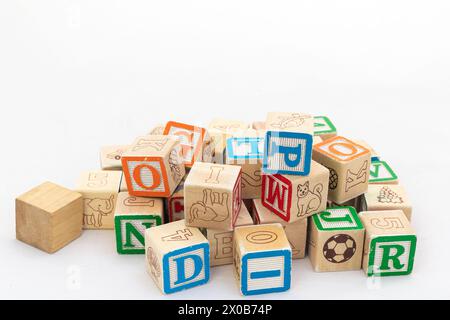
309 200
95 209
213 207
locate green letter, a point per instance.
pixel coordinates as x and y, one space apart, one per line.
395 257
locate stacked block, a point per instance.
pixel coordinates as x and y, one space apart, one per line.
324 128
111 157
349 165
175 203
262 259
153 166
195 142
99 190
177 256
221 242
382 173
288 144
296 232
133 215
212 196
336 240
390 244
380 197
247 152
220 131
294 198
49 217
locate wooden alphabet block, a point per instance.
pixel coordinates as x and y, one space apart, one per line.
382 173
177 256
294 198
220 130
49 217
349 165
221 242
157 130
374 155
390 244
247 152
133 215
262 259
153 166
212 196
195 142
296 232
99 190
380 197
111 157
175 204
288 143
336 240
324 128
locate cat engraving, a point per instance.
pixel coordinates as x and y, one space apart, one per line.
308 201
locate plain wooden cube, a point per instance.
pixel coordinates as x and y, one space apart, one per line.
221 242
153 166
294 198
262 259
390 243
380 197
212 196
324 128
99 190
288 143
133 215
49 217
175 203
349 165
382 173
196 144
220 130
177 256
247 152
336 240
111 157
296 232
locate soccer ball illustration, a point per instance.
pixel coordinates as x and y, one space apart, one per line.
339 248
333 179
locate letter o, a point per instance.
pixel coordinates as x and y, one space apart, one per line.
262 237
137 176
352 150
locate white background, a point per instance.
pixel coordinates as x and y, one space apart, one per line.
76 75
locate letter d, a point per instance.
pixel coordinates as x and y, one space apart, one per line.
181 268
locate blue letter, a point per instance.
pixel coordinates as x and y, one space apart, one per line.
181 270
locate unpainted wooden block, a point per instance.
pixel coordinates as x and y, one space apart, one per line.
248 153
49 217
177 256
296 232
382 173
390 243
153 166
111 157
349 165
380 197
196 144
99 190
133 215
324 128
220 130
336 240
175 203
262 259
288 143
213 196
221 242
294 198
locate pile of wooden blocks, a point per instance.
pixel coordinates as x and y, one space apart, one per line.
253 196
